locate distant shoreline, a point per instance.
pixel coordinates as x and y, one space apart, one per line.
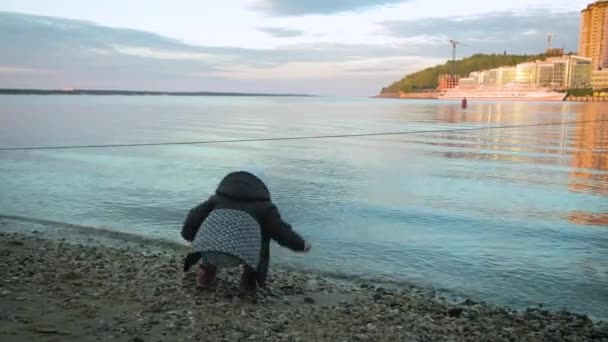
8 91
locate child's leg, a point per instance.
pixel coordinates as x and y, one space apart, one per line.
248 280
206 275
262 269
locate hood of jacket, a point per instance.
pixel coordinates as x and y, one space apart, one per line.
242 185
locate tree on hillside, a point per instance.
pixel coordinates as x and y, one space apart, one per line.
427 79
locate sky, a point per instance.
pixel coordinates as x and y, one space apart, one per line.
324 47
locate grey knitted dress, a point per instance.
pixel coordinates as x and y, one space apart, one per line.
229 238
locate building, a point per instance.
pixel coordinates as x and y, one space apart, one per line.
579 72
468 82
525 74
489 78
593 35
564 72
599 79
505 75
447 82
555 52
545 76
521 74
558 73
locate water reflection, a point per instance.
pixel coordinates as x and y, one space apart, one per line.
582 148
590 163
506 113
533 145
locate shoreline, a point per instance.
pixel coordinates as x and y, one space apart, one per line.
106 92
64 291
99 236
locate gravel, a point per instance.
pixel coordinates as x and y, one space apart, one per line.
96 293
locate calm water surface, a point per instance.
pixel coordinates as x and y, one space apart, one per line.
514 216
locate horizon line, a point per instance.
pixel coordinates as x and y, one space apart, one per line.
93 91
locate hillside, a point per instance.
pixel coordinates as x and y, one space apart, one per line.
427 78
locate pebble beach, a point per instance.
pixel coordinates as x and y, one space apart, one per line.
63 291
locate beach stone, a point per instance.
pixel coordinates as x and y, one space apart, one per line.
361 337
599 331
70 276
312 285
16 243
455 312
469 302
309 300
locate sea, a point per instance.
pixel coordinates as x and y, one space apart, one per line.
505 202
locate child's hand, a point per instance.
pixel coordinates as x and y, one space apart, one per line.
307 247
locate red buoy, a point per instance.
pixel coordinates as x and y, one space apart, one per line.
464 103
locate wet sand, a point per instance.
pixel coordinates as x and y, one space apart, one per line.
59 291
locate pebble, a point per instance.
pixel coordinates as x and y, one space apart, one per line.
469 302
362 337
70 275
455 312
309 300
156 284
599 331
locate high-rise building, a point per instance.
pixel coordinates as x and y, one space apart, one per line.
593 35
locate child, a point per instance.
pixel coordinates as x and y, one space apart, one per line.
238 222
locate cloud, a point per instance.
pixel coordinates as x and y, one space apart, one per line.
15 70
517 32
174 55
304 7
373 67
81 54
281 32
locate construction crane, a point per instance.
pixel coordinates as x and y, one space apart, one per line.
549 39
454 44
